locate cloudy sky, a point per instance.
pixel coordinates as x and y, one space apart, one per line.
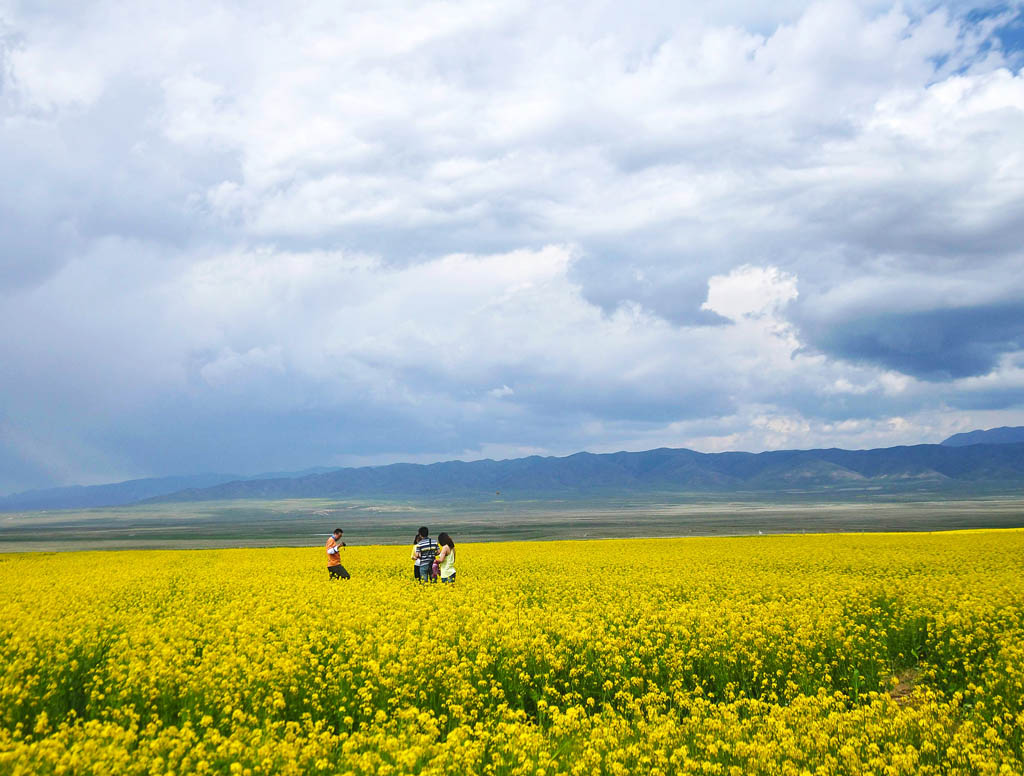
237 238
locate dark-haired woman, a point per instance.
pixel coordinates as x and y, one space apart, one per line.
446 558
415 560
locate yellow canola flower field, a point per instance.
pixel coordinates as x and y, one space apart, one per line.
854 654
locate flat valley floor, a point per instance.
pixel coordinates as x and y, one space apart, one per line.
306 522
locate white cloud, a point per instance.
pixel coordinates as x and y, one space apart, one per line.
473 226
750 292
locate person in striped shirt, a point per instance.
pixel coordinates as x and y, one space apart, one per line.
425 553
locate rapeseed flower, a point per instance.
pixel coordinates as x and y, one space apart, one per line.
894 654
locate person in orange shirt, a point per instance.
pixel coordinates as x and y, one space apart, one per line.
334 545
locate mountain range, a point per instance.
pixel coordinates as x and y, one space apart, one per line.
981 459
128 492
662 470
1004 435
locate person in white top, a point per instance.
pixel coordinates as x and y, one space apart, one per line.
415 560
446 558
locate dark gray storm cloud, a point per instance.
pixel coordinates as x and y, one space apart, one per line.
936 345
361 234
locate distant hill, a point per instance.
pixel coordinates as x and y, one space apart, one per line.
128 492
1004 435
952 465
662 470
114 494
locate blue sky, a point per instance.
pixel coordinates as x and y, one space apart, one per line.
239 238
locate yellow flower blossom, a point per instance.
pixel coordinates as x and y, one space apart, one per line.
886 653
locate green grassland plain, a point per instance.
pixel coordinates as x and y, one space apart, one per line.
304 522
